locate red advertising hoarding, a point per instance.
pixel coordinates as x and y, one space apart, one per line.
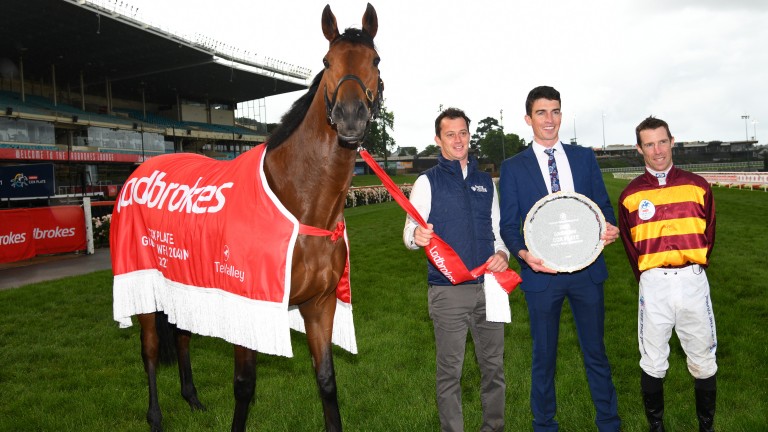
25 233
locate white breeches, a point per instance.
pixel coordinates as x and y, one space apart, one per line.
676 298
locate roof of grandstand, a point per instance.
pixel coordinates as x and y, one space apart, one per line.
70 39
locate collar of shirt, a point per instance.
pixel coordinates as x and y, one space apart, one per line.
564 172
661 176
539 149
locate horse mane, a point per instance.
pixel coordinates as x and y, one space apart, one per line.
291 120
356 36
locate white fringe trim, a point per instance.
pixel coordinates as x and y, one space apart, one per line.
343 325
258 325
496 301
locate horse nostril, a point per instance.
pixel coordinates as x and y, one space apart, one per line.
349 112
337 113
362 110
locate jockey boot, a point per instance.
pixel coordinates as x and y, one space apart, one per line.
706 394
653 399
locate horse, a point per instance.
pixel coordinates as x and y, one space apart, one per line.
308 164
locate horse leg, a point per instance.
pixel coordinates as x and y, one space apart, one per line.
244 385
318 322
188 390
150 356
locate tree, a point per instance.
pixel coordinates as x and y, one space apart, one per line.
493 144
378 140
430 150
483 127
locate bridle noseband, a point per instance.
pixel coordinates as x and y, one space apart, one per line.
374 104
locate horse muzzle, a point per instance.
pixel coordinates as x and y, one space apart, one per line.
351 120
351 115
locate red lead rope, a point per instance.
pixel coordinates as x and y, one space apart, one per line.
440 253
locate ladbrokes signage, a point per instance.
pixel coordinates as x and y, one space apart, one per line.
25 233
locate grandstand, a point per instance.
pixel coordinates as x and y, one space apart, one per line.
90 88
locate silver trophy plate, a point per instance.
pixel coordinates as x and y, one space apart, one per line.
564 230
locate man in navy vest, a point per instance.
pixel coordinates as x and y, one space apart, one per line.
460 204
548 166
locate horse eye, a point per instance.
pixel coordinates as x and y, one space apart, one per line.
325 63
376 61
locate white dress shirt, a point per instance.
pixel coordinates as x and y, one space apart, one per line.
563 167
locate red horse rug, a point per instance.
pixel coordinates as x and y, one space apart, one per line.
208 243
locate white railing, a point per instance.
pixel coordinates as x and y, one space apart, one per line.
720 166
740 180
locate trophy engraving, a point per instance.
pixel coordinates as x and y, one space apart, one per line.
564 230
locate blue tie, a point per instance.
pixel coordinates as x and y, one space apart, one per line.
552 165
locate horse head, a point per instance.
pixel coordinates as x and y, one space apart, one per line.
351 76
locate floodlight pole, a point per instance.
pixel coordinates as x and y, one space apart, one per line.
575 138
603 119
501 124
754 130
746 128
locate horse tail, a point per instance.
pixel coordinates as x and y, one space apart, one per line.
166 333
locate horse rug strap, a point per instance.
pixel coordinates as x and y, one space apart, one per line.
313 231
444 258
209 243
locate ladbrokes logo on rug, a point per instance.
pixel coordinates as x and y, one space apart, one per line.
153 192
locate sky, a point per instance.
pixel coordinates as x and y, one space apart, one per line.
698 64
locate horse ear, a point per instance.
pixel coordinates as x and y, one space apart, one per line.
370 21
330 29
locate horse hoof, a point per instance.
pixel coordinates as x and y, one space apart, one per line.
195 404
155 423
155 427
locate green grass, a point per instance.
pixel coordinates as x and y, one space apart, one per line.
66 366
372 180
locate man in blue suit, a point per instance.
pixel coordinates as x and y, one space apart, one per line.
545 167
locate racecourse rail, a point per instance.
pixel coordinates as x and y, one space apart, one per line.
750 180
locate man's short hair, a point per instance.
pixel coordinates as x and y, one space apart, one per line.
651 123
451 113
540 92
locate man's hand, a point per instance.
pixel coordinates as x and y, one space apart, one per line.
422 236
536 264
610 235
498 262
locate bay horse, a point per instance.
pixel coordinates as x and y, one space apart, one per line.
308 163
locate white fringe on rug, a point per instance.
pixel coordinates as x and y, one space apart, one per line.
258 325
343 325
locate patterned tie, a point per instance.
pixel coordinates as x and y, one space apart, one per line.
553 170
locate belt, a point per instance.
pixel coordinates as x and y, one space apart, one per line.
677 267
688 264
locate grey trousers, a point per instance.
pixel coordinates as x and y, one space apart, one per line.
453 310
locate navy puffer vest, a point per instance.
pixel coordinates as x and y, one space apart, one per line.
461 213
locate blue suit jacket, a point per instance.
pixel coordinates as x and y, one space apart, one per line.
521 185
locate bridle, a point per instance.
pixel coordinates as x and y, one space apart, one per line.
374 104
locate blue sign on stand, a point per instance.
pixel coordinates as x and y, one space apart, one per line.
27 181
